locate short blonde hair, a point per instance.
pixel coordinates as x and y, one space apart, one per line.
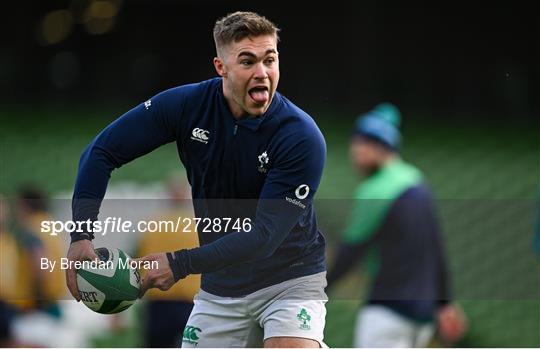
239 25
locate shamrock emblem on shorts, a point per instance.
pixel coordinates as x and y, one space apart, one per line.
305 318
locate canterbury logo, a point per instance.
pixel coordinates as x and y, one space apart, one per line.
190 334
198 134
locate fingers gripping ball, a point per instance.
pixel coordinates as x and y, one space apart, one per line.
111 284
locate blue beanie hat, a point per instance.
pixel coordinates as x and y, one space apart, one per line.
382 124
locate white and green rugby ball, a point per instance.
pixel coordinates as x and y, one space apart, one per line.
111 285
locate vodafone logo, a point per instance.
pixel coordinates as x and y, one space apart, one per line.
302 191
198 134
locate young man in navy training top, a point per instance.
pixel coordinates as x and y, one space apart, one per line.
249 153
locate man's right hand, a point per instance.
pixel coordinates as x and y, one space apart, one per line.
452 323
82 250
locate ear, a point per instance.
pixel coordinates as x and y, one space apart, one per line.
220 67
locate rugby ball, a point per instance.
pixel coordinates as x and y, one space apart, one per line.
110 285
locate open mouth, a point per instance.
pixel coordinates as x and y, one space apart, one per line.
259 94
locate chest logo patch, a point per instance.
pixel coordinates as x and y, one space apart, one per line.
200 135
302 191
263 160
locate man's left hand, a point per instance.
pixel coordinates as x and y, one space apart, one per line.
161 278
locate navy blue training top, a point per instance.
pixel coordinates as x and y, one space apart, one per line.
412 277
266 168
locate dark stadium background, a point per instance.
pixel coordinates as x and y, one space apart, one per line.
464 77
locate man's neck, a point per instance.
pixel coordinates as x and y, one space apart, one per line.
387 159
383 162
236 111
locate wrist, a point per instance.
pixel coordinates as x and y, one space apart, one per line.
80 236
178 262
443 302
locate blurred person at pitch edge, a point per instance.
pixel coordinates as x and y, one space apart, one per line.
250 155
8 275
393 220
167 312
32 293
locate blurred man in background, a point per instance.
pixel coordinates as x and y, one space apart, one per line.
394 217
41 288
32 293
7 278
167 312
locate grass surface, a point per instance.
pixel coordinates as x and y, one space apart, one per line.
463 162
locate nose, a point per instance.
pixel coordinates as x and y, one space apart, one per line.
260 71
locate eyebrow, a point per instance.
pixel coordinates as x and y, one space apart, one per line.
251 54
